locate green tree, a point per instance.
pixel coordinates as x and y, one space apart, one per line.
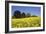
17 14
28 14
23 15
34 16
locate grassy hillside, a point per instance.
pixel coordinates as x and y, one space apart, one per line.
26 22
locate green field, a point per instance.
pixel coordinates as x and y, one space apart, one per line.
26 22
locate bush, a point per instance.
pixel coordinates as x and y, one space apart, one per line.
34 16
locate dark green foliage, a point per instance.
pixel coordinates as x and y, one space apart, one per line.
17 14
23 15
28 15
34 16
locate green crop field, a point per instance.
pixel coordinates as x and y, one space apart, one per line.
26 22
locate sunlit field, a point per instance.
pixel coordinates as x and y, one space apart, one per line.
26 22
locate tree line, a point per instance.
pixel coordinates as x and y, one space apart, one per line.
18 14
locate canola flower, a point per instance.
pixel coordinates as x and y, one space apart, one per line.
26 22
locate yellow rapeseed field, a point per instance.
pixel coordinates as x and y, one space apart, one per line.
26 22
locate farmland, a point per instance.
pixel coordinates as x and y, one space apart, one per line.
26 22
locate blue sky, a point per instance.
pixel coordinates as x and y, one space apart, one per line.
27 9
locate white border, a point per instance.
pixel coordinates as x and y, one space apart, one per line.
32 28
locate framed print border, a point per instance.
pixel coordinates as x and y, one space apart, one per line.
7 16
